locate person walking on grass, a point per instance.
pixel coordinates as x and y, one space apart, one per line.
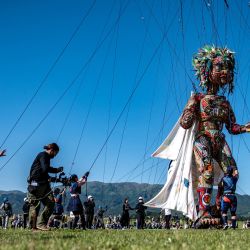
26 208
7 212
39 190
226 190
75 205
125 219
89 206
140 213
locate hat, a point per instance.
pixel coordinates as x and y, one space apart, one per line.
140 198
25 199
90 197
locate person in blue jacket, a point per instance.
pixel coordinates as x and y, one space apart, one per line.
75 205
58 208
226 190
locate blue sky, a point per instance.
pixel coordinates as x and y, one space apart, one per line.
34 33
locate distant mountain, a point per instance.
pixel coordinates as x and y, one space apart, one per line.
113 194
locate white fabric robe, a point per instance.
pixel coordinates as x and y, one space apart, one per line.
179 192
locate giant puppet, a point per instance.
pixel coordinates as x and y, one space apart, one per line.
215 69
197 146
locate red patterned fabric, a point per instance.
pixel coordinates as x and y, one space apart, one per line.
212 112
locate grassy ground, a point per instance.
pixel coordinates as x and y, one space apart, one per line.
126 239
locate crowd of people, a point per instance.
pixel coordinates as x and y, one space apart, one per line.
101 219
91 220
83 216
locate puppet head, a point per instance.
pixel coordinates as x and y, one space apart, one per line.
214 68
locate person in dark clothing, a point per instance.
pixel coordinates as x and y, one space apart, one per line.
89 206
26 208
140 213
39 190
226 190
99 217
75 204
167 217
215 211
7 212
125 219
58 197
57 215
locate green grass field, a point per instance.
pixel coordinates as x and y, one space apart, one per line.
126 239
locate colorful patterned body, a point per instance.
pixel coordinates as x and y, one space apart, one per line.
211 112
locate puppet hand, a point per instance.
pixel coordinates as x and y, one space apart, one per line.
2 153
247 127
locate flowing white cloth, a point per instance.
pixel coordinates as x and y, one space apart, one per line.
179 192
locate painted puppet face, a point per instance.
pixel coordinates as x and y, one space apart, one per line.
221 74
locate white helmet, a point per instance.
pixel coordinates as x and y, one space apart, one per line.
90 197
140 198
25 199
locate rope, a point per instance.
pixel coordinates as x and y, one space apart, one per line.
226 4
150 116
163 122
159 58
163 173
43 197
200 34
160 137
128 101
70 110
243 113
242 16
225 17
85 120
156 140
49 71
147 169
120 146
130 97
203 23
132 171
110 103
65 91
148 127
172 47
137 72
183 37
215 30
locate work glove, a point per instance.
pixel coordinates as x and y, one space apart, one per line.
85 176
